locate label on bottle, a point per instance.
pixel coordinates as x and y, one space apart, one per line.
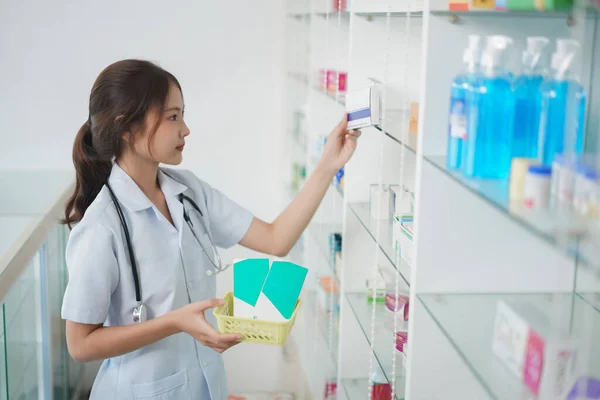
458 118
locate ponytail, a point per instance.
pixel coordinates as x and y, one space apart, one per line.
92 173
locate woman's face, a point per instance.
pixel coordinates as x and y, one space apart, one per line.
166 146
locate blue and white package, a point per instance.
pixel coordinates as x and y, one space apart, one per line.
363 107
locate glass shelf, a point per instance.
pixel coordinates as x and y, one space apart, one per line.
303 78
396 126
322 319
593 299
561 230
467 321
384 350
382 236
515 13
320 234
393 14
366 14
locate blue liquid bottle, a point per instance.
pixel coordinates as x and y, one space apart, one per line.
528 99
563 106
461 85
487 149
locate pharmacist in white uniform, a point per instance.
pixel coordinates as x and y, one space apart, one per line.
142 254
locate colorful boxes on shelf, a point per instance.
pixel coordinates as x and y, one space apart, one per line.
328 293
401 340
536 350
332 80
382 201
501 5
403 237
397 304
335 248
339 5
376 288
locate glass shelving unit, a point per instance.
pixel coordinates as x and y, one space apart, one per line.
473 247
384 335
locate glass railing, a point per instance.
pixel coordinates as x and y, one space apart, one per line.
34 360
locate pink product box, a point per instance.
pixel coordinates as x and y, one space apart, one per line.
544 363
329 77
399 304
401 340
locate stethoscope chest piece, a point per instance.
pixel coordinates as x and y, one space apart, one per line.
140 314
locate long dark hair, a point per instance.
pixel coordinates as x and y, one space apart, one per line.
120 100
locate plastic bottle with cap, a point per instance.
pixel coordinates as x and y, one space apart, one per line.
487 149
381 388
563 105
537 186
528 99
461 86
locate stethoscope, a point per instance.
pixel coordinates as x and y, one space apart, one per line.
140 313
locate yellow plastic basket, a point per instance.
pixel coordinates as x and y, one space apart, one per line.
254 331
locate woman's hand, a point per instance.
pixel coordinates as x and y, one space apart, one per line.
191 320
339 147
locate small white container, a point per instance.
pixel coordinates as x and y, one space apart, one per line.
405 240
537 186
381 202
585 193
562 182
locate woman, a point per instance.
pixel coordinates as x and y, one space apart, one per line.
148 323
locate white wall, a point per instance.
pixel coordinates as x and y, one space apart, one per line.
229 58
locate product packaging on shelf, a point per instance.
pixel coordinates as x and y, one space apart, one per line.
398 304
401 341
364 107
536 193
376 288
402 200
535 350
413 125
339 5
518 172
330 392
586 388
335 247
328 293
333 80
381 202
402 232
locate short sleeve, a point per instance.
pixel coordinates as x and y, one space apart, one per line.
93 274
228 220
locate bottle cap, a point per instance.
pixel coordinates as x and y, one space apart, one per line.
540 169
495 54
563 57
534 55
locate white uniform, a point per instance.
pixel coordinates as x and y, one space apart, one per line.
172 269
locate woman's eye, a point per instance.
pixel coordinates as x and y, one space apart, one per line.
173 117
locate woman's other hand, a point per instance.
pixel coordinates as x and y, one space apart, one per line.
191 320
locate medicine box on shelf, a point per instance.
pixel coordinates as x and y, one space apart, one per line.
363 107
535 350
403 237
